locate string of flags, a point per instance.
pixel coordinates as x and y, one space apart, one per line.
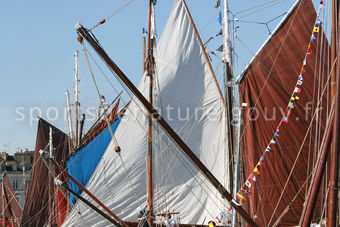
244 191
227 211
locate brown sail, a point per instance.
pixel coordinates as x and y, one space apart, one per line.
11 210
36 209
265 90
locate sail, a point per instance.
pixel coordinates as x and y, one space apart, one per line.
36 209
187 98
11 210
83 163
265 90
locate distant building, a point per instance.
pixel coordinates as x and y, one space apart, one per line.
18 167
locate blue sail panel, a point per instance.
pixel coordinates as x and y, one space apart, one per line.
82 165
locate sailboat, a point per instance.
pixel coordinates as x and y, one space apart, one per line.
187 114
11 210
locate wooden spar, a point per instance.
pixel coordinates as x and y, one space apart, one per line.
149 158
204 51
315 183
334 159
69 123
107 217
86 191
3 202
50 191
76 98
156 116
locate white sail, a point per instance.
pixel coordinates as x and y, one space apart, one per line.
188 99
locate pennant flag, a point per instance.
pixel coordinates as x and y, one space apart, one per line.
300 76
299 82
285 119
218 3
219 220
291 105
309 52
302 71
241 197
248 184
297 90
316 29
247 193
252 177
278 127
261 160
145 31
272 141
256 170
321 1
318 21
220 49
269 149
295 98
288 113
221 215
276 133
220 18
229 209
312 38
243 189
219 33
322 6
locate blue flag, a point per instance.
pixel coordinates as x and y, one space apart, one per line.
220 17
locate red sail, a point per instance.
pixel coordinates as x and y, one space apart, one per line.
36 209
266 87
11 210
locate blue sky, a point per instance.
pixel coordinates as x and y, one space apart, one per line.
38 42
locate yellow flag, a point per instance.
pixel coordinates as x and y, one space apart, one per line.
316 29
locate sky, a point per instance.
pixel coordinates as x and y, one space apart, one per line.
38 42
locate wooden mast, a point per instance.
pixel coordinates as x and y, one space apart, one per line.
157 117
50 191
150 75
317 177
69 122
334 159
3 203
76 98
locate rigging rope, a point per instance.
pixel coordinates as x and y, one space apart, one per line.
102 21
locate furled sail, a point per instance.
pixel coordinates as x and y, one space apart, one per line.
36 210
187 98
265 90
11 210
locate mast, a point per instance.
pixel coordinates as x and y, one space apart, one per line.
150 75
157 117
51 222
23 176
69 122
3 202
76 98
334 159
